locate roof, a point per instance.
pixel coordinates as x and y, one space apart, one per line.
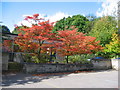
10 34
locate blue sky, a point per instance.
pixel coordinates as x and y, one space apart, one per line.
12 12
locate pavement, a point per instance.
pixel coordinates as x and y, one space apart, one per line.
97 79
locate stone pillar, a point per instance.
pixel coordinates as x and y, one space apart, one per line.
18 57
115 64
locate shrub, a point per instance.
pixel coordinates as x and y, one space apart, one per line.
33 58
27 57
81 58
44 59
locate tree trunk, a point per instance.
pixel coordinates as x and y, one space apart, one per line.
67 59
39 52
39 55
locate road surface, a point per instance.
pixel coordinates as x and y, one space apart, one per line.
99 79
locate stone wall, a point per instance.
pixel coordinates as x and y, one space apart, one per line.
5 58
43 68
101 64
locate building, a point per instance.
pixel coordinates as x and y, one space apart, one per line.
7 55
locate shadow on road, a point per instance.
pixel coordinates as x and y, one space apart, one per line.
21 78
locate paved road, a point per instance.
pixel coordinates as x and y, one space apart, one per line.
101 79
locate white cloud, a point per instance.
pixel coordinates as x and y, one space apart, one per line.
58 16
24 22
53 18
109 7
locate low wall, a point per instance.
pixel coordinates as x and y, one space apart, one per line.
45 68
101 64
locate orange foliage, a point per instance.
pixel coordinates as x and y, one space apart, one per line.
74 42
7 45
39 37
33 39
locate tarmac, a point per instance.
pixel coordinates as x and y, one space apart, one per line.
97 79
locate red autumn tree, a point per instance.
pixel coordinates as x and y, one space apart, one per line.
73 43
33 39
37 38
7 45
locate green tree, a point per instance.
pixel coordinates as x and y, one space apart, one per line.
17 29
78 21
4 29
103 29
113 48
92 20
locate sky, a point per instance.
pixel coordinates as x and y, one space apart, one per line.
15 12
